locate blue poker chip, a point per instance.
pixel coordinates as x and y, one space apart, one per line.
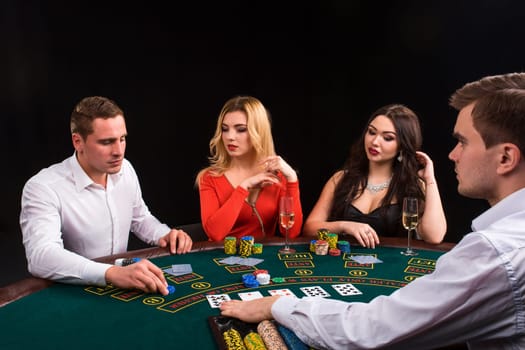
292 341
251 284
250 281
171 289
344 246
248 277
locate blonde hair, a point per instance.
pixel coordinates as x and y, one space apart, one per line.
258 122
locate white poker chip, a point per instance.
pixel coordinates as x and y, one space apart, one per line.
263 278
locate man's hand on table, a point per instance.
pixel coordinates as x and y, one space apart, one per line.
143 275
178 241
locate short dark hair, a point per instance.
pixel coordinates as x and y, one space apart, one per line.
90 108
499 111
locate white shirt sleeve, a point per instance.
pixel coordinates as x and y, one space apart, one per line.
46 256
449 306
67 220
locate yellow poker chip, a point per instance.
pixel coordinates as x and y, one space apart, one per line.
322 234
230 245
233 340
253 341
312 245
257 248
332 240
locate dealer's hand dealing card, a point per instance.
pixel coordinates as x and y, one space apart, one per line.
250 295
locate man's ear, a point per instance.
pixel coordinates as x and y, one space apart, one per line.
510 158
77 142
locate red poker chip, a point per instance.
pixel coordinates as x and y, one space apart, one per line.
334 252
256 272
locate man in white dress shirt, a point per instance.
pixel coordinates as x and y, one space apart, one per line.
476 293
86 206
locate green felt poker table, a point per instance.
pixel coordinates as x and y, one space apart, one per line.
39 314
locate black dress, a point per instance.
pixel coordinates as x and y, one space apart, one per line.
385 220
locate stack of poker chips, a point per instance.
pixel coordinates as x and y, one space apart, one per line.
262 276
312 245
344 246
291 340
321 247
332 240
126 261
270 335
233 340
253 341
257 248
322 234
230 245
245 247
334 252
250 281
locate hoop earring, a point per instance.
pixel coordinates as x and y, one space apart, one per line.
400 157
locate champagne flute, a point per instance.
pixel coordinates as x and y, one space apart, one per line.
410 220
286 219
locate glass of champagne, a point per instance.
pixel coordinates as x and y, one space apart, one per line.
286 219
410 220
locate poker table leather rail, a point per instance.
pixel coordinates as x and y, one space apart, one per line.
31 285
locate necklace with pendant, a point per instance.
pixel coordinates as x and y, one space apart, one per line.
374 188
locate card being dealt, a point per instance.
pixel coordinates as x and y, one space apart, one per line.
315 291
346 289
215 300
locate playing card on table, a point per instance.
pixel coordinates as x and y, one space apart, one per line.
315 291
365 259
250 295
215 300
346 289
250 261
283 292
179 269
231 260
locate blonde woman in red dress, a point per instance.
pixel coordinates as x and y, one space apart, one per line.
240 189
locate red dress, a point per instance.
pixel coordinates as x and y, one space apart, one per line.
225 212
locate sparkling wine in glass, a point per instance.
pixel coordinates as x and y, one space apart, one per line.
286 220
410 220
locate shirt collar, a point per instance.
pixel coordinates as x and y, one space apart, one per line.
82 180
509 205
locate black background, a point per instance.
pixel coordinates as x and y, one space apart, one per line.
320 67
